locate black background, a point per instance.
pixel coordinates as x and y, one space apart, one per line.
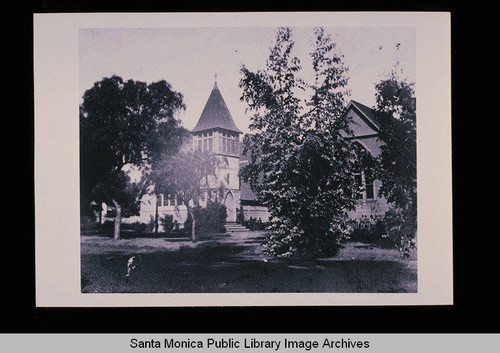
475 232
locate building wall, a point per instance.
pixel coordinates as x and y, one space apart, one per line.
148 210
371 143
257 212
227 148
368 138
228 174
180 213
370 207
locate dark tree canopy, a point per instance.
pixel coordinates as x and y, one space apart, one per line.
396 111
124 124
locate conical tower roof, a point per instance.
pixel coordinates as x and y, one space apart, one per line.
216 114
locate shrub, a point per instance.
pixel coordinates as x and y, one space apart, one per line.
188 223
88 223
240 216
107 227
136 227
255 224
401 229
369 230
210 219
394 229
167 223
150 226
287 240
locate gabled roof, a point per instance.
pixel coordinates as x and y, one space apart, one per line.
216 114
366 111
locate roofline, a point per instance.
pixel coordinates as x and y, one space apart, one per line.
361 137
216 128
355 105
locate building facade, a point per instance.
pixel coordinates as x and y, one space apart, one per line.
365 130
217 133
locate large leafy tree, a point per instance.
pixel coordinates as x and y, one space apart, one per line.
187 174
396 111
154 179
302 162
123 125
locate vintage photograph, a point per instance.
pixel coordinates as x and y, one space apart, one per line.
275 159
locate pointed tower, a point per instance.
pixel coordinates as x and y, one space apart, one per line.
216 132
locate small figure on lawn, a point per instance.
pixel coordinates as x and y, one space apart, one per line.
132 263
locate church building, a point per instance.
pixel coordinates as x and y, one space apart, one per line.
217 132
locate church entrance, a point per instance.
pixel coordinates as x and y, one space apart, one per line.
229 203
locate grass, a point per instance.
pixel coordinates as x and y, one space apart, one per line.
235 264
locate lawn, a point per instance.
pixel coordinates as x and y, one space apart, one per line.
235 264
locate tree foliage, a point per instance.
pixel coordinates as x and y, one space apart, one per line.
187 175
302 161
210 219
396 112
123 124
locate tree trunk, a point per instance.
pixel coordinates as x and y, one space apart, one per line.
118 220
156 219
100 216
193 225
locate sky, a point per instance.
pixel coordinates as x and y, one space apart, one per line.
189 58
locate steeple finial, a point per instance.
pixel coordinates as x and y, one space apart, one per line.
215 77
